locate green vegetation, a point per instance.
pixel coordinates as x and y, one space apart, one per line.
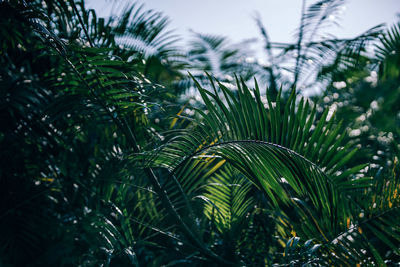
108 158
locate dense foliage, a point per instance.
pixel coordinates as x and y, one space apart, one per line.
111 154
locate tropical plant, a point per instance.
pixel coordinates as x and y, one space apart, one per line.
102 165
315 52
302 167
367 98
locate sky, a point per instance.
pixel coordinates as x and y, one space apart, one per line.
235 18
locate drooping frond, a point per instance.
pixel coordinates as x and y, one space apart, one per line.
300 163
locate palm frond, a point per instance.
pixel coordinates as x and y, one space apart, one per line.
345 55
144 31
374 235
296 161
217 55
319 15
227 200
388 52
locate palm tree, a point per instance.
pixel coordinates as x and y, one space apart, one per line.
302 167
248 179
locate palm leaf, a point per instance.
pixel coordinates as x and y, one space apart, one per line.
273 145
388 52
227 200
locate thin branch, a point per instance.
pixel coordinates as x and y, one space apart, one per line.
81 22
299 46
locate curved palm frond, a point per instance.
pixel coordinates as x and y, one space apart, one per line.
296 161
214 54
388 52
345 55
144 31
217 55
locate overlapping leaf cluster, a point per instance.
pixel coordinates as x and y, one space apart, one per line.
97 168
